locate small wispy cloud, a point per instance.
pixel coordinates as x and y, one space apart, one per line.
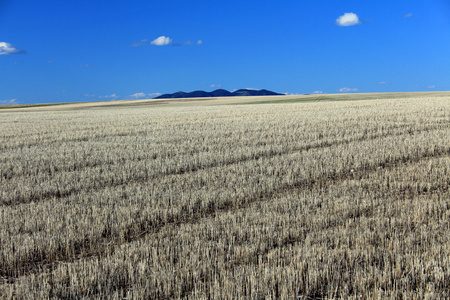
348 19
113 96
215 85
8 49
8 102
87 66
161 41
89 95
318 92
384 83
347 90
138 95
140 43
143 95
408 15
431 87
188 43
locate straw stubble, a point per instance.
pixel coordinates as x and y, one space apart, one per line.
308 200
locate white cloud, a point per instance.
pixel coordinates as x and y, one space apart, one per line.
346 90
199 42
215 85
108 96
431 87
408 15
383 83
88 95
348 19
161 41
8 102
7 48
318 92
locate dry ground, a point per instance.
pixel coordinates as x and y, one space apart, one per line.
314 199
217 101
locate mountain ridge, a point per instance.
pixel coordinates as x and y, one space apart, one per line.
219 93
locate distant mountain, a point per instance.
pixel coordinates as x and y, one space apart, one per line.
218 93
221 93
247 92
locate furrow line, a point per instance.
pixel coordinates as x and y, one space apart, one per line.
84 249
98 185
88 165
356 213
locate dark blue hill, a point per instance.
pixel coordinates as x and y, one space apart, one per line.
218 93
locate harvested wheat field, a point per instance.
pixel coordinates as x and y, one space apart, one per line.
294 200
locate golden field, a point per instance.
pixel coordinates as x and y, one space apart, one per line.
286 197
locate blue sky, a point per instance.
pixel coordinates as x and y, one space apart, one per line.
84 50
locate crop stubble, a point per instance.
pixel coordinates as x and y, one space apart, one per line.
312 200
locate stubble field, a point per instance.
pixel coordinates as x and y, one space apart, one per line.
308 200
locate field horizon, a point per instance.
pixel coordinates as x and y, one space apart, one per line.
235 100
